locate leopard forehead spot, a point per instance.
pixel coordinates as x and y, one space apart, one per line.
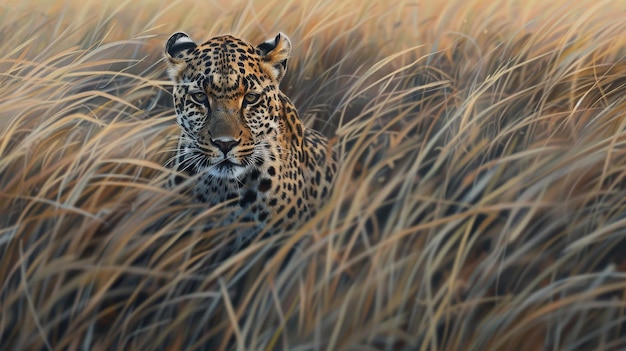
225 65
241 138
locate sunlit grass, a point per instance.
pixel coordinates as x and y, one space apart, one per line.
479 204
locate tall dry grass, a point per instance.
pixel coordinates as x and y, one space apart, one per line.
479 204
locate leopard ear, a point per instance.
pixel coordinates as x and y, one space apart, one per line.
275 53
177 45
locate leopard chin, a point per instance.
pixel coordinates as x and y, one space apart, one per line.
226 170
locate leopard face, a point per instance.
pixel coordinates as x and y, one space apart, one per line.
241 140
227 102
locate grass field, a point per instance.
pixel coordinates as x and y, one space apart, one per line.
480 203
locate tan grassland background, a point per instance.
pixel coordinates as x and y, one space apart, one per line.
480 203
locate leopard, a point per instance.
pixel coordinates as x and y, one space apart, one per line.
242 143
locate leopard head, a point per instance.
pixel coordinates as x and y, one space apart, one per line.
227 101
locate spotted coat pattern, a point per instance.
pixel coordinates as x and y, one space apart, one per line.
241 141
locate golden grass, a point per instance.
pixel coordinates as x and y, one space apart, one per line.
479 204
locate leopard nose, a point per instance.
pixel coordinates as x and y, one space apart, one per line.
225 144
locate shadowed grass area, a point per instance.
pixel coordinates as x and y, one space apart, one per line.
479 204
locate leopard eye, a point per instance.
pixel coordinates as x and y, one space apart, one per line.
200 98
251 98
